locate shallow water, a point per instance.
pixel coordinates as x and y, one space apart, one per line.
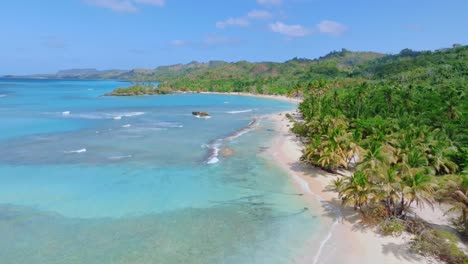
92 179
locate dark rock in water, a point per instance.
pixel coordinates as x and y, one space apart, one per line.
200 114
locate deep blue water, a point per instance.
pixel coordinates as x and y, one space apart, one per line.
92 179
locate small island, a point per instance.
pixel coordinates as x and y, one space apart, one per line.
139 90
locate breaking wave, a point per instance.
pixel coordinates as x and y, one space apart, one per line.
75 151
215 146
240 111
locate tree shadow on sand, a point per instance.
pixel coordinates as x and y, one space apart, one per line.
333 209
401 251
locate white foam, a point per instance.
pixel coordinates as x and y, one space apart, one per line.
251 126
127 125
90 89
99 115
213 158
240 111
203 117
66 113
130 114
3 95
215 146
76 151
226 102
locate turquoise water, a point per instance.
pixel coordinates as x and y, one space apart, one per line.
92 179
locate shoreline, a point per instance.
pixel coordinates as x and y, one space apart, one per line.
293 100
346 236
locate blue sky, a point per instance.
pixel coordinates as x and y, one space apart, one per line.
45 36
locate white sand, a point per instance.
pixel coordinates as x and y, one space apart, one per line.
294 100
347 241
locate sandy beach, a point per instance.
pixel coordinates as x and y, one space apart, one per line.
347 241
294 100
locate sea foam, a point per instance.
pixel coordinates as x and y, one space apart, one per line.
214 151
215 146
75 151
130 114
240 111
251 126
203 117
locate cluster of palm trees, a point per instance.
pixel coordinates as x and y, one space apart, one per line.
398 158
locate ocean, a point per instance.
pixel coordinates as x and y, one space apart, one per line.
86 178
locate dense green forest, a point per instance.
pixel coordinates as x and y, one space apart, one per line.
399 123
262 78
139 89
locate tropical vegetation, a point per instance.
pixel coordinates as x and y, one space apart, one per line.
399 125
139 89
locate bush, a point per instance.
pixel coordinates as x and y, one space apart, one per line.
375 215
392 227
441 244
300 129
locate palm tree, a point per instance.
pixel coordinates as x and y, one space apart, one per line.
357 191
454 191
375 157
390 189
419 188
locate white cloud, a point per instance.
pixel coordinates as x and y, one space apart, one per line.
151 2
290 30
241 22
259 14
269 2
122 6
331 27
178 43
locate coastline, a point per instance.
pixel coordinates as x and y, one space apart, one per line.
293 100
347 241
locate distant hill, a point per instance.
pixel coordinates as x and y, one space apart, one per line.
76 74
275 77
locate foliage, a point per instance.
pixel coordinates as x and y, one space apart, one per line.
399 124
441 244
455 192
140 89
392 227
